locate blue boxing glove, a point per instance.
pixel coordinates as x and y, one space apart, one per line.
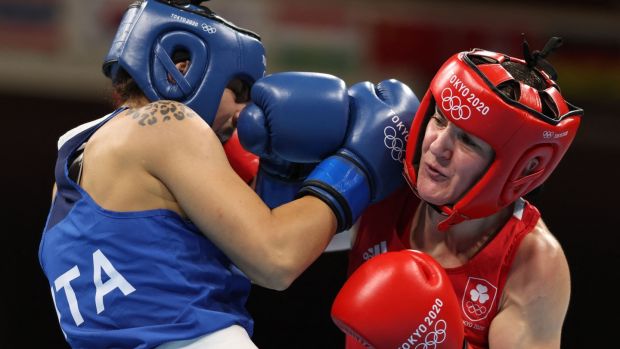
369 165
295 120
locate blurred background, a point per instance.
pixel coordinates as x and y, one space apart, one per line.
51 81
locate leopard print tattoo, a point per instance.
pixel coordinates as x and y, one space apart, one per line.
164 110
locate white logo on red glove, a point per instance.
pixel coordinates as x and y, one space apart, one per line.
435 337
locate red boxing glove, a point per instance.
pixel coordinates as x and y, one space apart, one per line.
241 160
400 299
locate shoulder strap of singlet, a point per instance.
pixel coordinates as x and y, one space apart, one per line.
68 193
71 141
529 216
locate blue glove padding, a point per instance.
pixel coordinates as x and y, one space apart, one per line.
295 120
369 165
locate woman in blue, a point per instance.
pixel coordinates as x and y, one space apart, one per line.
152 239
126 266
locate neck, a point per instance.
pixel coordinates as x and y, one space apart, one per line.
136 102
462 240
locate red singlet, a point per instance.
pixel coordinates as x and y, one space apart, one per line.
478 284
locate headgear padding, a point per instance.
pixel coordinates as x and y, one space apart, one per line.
539 124
152 31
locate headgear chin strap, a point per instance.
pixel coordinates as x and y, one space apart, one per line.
538 125
150 33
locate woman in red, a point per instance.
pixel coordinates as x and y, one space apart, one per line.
490 129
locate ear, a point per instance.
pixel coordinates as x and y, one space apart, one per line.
181 86
531 166
182 66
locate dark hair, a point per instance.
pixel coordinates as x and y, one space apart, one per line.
124 87
533 78
241 89
524 74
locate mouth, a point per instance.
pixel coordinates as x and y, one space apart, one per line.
434 173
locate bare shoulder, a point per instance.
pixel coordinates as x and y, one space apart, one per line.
162 117
540 255
151 131
130 161
161 113
538 284
536 296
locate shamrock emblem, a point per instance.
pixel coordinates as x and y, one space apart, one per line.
479 294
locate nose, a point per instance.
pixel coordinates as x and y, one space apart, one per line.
443 144
238 108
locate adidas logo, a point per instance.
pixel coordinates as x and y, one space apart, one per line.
375 250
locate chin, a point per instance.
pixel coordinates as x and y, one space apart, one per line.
432 196
431 199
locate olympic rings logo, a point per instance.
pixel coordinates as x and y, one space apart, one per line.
474 308
393 143
548 134
208 28
454 105
435 337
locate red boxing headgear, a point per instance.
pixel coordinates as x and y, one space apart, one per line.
538 124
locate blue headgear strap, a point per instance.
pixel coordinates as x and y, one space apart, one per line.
150 33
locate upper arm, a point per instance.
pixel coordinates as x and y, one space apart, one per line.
265 244
536 294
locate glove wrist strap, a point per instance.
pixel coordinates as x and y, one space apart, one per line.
341 184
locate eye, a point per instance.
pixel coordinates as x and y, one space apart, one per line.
468 141
241 89
439 120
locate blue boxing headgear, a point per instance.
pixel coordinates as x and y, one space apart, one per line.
152 31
